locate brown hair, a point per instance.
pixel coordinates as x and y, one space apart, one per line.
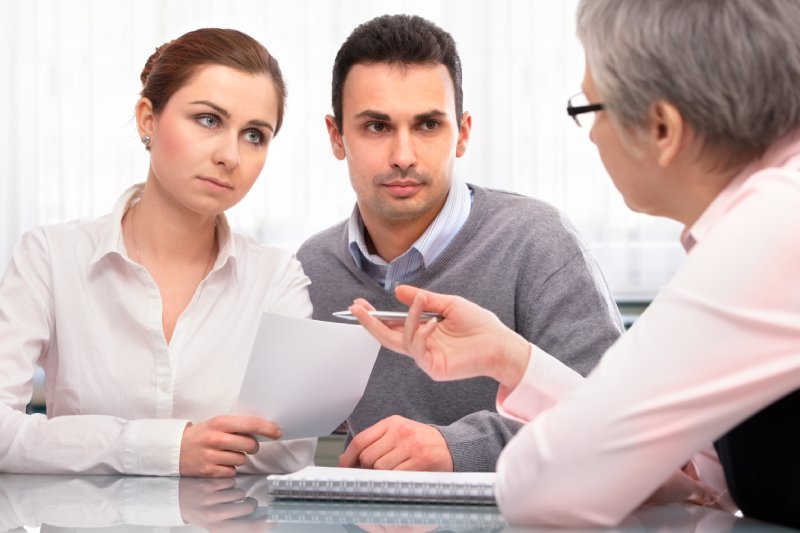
396 39
172 64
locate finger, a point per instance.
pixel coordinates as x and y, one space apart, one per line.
406 465
406 293
230 458
412 322
233 442
209 488
247 425
381 451
435 302
350 457
385 335
391 459
211 470
224 496
419 349
228 511
363 303
217 496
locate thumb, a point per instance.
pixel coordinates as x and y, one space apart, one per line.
406 293
435 302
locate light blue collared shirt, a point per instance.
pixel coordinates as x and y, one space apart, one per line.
423 252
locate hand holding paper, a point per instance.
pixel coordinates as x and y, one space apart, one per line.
305 375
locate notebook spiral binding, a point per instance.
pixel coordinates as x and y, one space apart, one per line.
477 517
382 490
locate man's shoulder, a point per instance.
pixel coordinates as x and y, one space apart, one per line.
328 240
527 213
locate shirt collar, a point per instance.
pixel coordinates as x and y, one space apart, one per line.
432 242
112 242
783 154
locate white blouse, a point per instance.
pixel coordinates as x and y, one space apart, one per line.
118 395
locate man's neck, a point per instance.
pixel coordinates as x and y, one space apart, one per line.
391 239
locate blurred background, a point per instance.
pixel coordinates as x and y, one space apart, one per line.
70 80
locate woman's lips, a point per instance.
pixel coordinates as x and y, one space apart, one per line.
216 184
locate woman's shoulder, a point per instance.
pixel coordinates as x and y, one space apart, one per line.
251 254
75 235
250 248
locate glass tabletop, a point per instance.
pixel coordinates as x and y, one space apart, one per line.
30 503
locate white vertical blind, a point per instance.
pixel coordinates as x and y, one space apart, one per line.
70 79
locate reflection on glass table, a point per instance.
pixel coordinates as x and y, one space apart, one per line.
242 505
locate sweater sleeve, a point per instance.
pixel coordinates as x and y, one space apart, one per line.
572 316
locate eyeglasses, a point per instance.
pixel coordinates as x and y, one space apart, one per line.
578 105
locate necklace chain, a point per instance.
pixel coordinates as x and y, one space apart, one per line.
209 263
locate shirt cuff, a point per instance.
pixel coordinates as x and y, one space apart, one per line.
153 447
545 382
152 501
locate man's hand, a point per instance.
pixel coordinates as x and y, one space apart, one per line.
215 448
397 443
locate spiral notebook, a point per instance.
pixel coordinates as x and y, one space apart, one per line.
446 516
331 483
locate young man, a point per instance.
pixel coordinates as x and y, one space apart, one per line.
398 121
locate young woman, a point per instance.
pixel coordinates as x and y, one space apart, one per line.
698 124
143 319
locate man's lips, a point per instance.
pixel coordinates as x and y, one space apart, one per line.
402 188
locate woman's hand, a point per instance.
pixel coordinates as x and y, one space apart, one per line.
470 341
215 448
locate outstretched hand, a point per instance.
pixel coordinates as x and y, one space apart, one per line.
470 341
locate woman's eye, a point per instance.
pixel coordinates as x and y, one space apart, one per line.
209 121
255 136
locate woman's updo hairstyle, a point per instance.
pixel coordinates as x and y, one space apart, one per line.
173 63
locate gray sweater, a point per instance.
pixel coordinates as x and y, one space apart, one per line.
516 256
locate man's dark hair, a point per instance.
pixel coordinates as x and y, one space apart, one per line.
397 39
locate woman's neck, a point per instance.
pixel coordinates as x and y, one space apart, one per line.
163 230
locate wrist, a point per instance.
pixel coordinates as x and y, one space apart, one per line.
516 356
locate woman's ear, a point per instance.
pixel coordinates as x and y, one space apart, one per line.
667 131
145 120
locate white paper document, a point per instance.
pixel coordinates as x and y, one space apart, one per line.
306 375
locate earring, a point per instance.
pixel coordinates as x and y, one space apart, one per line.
146 140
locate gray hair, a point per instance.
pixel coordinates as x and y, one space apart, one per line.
731 67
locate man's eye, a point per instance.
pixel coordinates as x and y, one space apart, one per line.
376 127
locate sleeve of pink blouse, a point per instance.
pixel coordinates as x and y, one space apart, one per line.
545 382
719 343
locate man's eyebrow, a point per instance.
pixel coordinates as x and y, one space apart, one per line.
225 113
434 113
420 117
377 115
